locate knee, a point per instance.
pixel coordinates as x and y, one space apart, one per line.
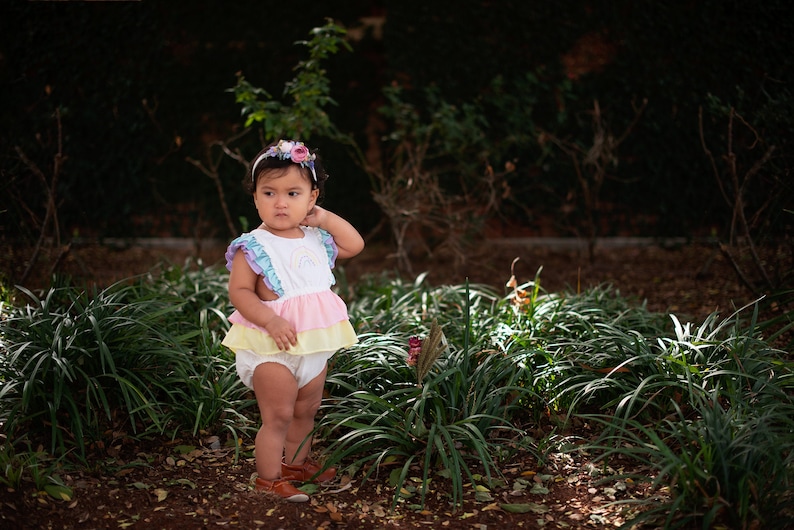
277 417
307 408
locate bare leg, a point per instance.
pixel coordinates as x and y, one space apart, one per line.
276 393
306 406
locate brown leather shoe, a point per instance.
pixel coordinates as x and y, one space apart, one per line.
282 488
306 472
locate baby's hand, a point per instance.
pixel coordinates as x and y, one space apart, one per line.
282 332
314 217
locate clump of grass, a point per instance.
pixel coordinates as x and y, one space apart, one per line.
714 418
74 361
378 415
706 408
139 358
701 403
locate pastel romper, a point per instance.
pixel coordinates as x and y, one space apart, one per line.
299 272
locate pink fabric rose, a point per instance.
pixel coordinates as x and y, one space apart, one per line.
299 153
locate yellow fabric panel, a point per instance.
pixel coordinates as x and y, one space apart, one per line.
338 336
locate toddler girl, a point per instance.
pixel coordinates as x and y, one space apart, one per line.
287 322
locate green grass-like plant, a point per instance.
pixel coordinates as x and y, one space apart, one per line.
206 394
445 424
139 358
73 361
715 420
596 355
379 417
702 412
717 464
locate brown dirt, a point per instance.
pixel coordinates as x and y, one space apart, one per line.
153 485
688 280
691 281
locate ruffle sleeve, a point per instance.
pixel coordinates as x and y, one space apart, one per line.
257 259
331 250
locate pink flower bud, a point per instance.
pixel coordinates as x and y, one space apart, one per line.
299 153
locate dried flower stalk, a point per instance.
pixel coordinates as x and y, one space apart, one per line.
432 347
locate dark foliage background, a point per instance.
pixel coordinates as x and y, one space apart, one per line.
141 86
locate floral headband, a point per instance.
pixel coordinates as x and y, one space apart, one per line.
296 152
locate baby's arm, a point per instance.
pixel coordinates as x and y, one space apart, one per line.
348 241
243 295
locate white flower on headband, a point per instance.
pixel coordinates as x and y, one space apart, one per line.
296 152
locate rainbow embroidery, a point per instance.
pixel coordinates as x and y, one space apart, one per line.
303 257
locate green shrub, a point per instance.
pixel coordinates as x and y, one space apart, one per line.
73 362
717 427
704 412
138 358
445 423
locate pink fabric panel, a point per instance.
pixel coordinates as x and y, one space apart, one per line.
305 312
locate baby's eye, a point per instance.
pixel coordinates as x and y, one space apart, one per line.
294 193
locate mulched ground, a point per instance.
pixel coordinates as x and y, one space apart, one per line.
690 280
188 484
174 487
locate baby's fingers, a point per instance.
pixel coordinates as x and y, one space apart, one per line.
285 340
